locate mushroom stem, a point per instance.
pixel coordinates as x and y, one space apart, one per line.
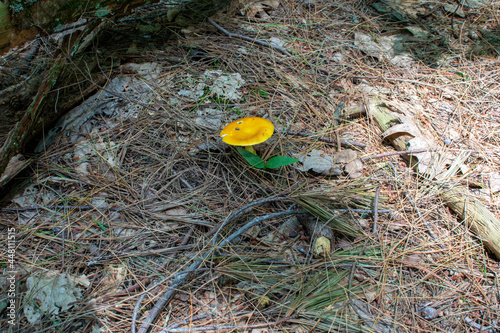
251 149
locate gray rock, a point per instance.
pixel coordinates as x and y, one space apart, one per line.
429 312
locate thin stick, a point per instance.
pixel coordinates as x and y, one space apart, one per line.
248 39
136 311
375 210
478 327
343 142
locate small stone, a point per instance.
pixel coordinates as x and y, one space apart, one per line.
338 57
429 312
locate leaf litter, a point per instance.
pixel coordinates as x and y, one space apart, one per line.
131 199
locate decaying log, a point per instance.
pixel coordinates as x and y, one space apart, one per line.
401 132
62 87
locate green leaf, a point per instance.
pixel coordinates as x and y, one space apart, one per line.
279 161
466 77
101 12
251 158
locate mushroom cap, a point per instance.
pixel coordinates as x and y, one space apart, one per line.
247 131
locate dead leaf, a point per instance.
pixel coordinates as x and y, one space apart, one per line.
354 168
259 9
317 161
50 293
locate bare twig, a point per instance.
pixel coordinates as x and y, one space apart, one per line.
190 319
375 210
136 311
343 142
478 327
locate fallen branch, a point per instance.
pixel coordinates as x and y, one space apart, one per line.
478 327
242 211
184 242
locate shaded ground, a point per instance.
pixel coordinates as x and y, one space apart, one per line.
128 196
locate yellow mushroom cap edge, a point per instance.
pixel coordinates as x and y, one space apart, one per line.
247 131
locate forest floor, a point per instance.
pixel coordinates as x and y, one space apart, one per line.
124 207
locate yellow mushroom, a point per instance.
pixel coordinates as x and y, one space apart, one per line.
247 132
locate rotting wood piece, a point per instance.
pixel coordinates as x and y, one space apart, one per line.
61 88
472 212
